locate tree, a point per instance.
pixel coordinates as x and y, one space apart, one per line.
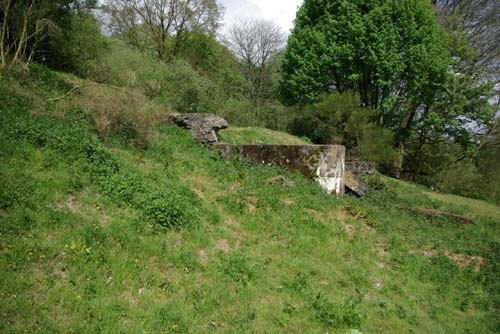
26 28
392 52
152 23
480 22
256 44
462 112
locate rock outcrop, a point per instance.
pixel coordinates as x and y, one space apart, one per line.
203 127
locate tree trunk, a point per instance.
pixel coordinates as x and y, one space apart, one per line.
397 167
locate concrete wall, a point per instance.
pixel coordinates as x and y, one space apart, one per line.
325 163
360 167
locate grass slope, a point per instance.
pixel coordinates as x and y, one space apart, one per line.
105 238
236 136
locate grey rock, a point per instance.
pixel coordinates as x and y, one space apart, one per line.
203 127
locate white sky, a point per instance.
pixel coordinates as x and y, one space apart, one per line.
281 12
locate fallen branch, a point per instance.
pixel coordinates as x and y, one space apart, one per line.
438 213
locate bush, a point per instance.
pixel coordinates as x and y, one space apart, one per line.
338 119
462 179
79 47
175 206
122 113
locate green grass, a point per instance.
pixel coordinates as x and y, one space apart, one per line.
108 238
236 136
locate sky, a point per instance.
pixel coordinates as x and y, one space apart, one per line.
282 12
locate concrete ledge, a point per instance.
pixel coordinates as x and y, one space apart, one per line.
325 163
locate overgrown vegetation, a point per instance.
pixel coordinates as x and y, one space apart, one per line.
113 220
110 236
408 85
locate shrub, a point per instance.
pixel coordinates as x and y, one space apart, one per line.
80 46
463 179
338 119
175 206
118 112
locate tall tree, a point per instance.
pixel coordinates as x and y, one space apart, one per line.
151 23
256 44
391 51
480 22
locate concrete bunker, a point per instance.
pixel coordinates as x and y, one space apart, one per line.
324 163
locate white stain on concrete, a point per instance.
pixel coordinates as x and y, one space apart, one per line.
330 173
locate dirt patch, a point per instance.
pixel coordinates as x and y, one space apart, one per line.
252 202
462 261
70 204
281 180
222 245
377 283
229 221
349 230
339 215
287 201
199 193
204 187
202 255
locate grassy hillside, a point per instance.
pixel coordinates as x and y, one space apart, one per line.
102 234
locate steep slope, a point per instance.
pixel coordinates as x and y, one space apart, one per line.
104 237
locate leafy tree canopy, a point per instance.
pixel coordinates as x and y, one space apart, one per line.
382 49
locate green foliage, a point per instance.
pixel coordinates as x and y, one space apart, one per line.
334 315
237 267
96 235
338 118
211 58
371 47
171 207
463 179
79 47
182 85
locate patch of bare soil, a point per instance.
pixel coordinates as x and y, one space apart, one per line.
222 245
70 204
462 261
349 230
252 204
287 201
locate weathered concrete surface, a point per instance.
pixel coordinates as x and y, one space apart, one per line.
203 127
353 183
355 169
325 163
360 167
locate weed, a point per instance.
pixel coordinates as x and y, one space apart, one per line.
335 315
237 267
